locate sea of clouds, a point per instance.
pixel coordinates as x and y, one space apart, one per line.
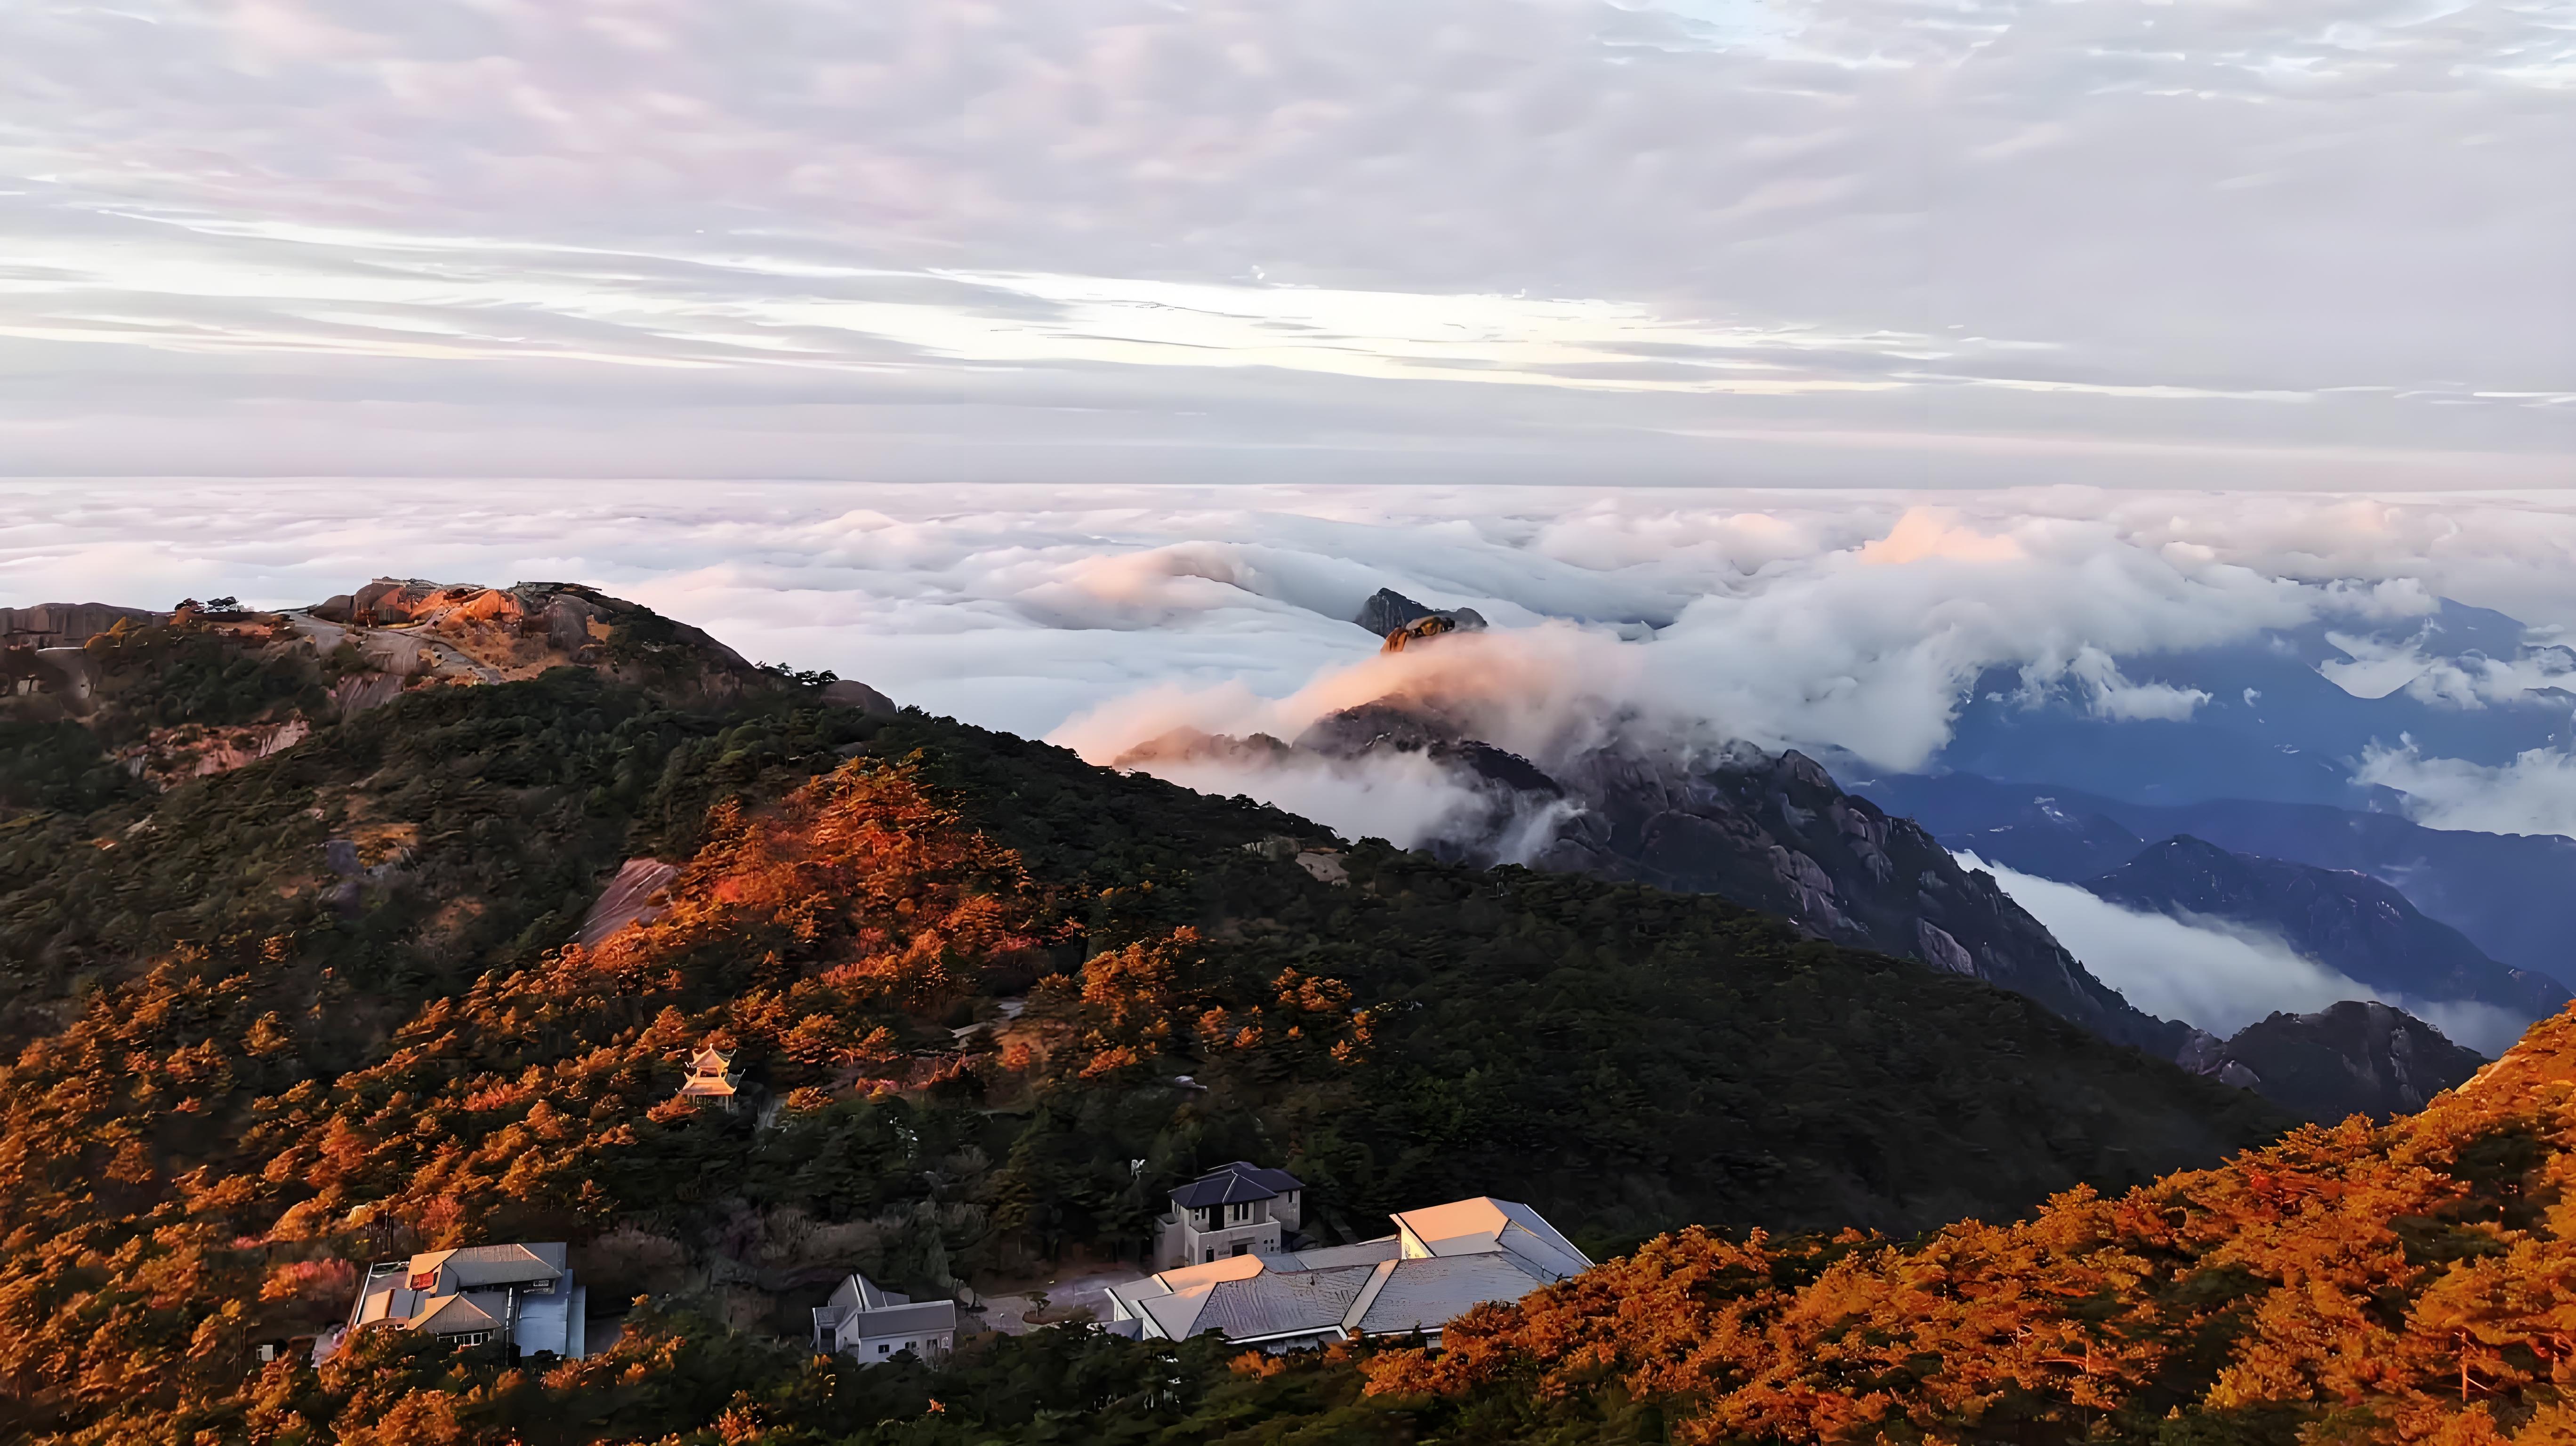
1843 623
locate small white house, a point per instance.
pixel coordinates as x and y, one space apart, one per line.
870 1323
1235 1209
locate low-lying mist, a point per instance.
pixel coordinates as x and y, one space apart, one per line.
2215 975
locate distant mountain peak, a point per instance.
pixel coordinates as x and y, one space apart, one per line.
1402 622
2356 925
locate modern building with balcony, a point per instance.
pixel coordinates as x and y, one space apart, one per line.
1235 1209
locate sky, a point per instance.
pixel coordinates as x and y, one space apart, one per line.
1732 243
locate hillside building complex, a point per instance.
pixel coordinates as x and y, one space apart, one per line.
1243 1283
524 1295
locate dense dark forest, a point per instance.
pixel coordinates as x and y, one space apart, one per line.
269 1023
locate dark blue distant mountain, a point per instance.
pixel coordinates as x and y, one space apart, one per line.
2273 726
2512 895
2358 926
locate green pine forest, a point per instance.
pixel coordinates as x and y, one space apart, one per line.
237 1070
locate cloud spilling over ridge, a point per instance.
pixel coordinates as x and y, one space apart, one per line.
1860 651
2214 975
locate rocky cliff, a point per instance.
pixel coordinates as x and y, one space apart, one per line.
1403 622
498 634
2349 1058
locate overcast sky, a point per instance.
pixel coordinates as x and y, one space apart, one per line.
2274 243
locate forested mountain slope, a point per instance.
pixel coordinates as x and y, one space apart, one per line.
1771 832
270 1022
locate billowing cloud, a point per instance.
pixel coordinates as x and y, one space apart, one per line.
2536 793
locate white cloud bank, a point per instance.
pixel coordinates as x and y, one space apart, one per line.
2536 793
1838 621
2214 975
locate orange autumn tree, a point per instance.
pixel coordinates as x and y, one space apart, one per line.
816 936
2410 1283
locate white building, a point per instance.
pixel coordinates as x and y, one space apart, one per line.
871 1323
476 1295
1439 1262
1236 1209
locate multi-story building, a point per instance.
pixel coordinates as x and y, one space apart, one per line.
1236 1209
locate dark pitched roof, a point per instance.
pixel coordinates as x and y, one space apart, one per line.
1235 1184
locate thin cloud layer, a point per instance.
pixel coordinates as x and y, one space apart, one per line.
1117 240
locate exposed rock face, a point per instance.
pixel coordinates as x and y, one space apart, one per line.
629 898
2349 922
1382 727
850 693
486 634
1775 833
40 649
358 693
1386 610
171 756
2350 1058
66 625
1403 622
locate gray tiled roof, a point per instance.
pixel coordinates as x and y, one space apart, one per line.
1235 1184
1279 1302
1325 1257
454 1314
895 1320
475 1265
1429 1292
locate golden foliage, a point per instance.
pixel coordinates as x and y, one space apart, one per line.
2414 1283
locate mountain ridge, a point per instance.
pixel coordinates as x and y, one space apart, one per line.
2348 921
